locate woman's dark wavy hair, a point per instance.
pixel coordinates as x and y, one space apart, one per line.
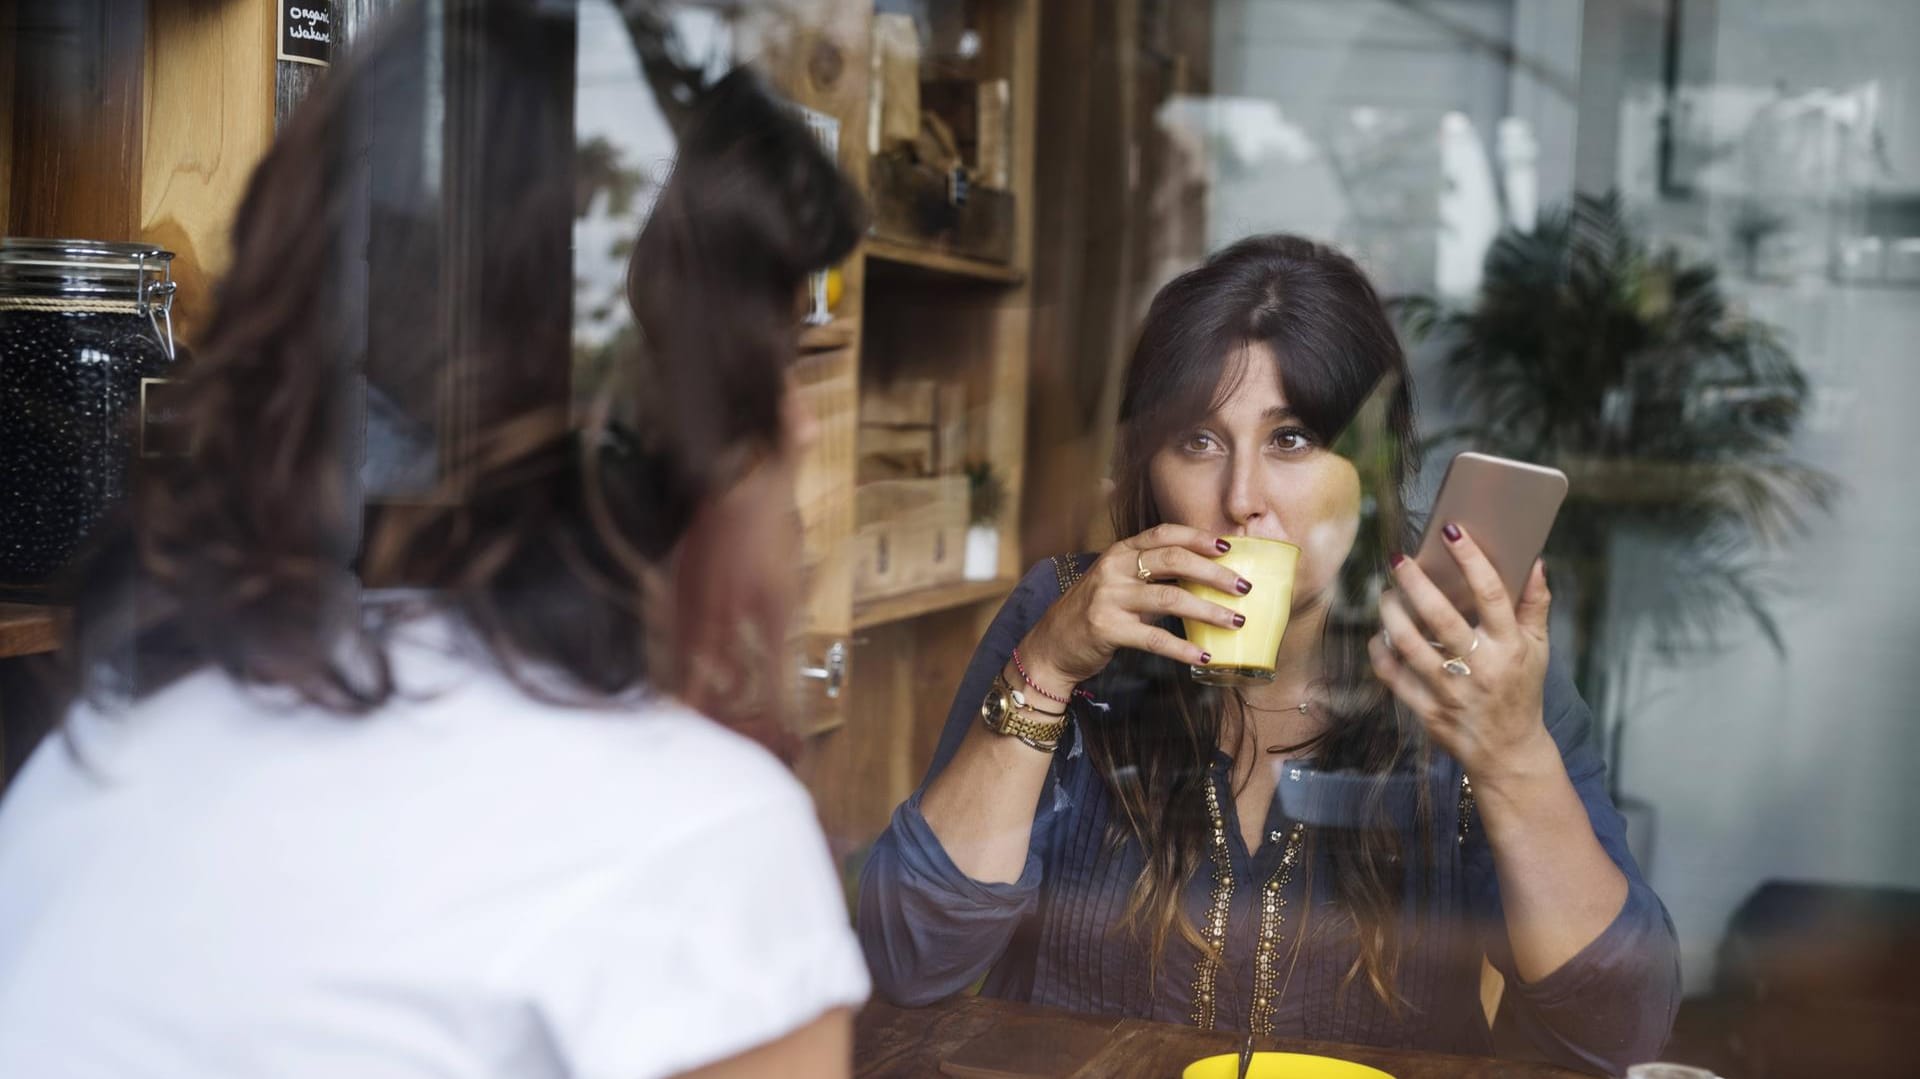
545 532
1338 353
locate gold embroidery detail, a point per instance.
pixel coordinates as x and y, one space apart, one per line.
1273 908
1066 570
1206 972
1273 904
1466 808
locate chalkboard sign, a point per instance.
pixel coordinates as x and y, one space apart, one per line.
306 31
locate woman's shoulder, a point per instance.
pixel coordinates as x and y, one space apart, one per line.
642 756
1050 578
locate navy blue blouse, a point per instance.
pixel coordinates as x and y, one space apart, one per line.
1056 936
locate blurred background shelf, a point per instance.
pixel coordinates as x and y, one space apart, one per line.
27 629
929 261
879 612
836 334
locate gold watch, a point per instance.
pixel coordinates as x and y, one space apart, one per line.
1002 715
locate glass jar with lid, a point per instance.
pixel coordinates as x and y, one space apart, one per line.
86 329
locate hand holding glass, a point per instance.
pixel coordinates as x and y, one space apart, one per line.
1245 656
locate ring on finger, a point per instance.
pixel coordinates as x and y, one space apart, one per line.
1457 665
1140 564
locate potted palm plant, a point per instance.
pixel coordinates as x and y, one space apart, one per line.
1672 413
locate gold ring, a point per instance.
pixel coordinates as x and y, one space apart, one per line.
1140 563
1457 665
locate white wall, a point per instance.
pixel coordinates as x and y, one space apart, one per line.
1803 768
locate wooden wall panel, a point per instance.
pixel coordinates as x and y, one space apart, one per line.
9 35
1010 328
77 73
1083 186
1118 211
208 121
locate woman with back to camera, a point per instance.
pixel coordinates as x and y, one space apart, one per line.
484 833
1143 855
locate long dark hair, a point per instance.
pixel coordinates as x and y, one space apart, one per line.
544 533
1337 352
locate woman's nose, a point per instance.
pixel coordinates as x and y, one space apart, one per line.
1245 502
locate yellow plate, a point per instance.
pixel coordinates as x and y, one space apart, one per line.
1281 1066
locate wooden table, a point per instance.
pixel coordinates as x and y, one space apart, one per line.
910 1043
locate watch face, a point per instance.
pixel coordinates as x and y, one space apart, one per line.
994 708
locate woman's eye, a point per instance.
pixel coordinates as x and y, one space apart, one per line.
1198 442
1292 440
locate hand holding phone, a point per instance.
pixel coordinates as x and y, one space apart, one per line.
1507 507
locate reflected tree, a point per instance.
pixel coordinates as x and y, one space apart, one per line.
1673 414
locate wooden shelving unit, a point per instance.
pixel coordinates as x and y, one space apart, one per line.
940 263
839 333
880 612
26 629
909 312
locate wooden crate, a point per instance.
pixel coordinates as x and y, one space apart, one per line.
912 428
909 535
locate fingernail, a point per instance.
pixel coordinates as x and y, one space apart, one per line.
1452 532
1206 658
1222 546
1395 559
1239 620
1243 586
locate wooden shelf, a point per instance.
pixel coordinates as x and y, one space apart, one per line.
946 597
26 629
927 260
833 335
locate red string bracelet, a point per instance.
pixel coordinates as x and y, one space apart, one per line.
1028 679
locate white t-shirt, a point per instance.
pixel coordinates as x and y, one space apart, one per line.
469 883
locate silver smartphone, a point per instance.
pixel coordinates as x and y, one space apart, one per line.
1507 507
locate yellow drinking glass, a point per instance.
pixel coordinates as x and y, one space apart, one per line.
1245 656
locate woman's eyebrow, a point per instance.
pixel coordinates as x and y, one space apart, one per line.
1278 413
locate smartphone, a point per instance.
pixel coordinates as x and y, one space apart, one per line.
1507 507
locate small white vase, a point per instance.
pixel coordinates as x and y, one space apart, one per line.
983 554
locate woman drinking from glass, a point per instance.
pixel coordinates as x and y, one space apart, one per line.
1328 855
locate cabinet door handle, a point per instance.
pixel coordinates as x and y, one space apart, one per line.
832 670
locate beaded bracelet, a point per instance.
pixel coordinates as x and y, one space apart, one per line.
1028 679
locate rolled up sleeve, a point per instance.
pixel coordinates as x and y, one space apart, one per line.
929 930
1613 1003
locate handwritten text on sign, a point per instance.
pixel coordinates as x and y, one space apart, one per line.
306 31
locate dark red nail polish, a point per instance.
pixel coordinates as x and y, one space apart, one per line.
1395 559
1452 532
1206 658
1239 620
1243 586
1222 545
